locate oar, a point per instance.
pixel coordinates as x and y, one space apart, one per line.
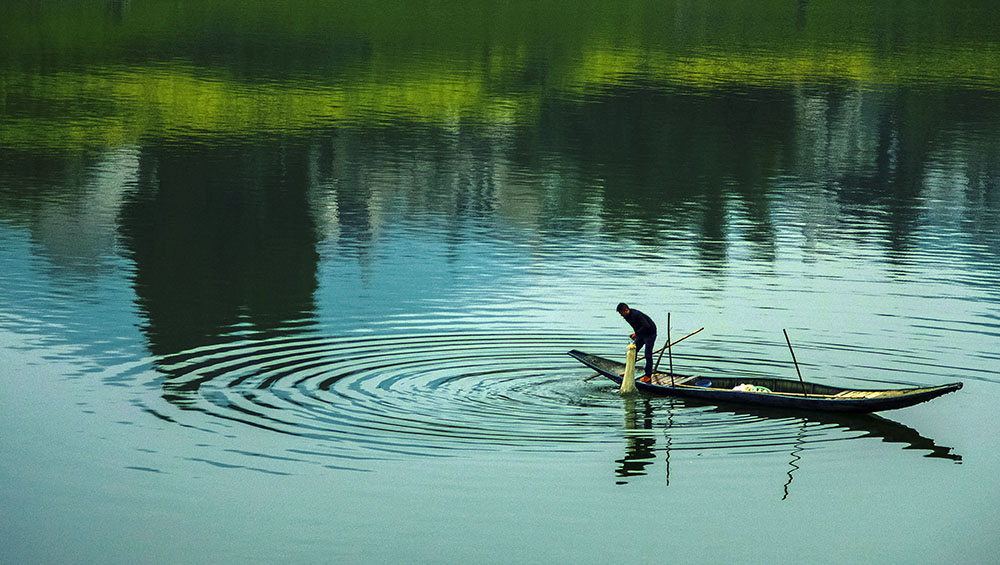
789 342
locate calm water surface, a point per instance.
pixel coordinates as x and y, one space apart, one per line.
296 283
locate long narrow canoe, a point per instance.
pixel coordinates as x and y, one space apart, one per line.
782 393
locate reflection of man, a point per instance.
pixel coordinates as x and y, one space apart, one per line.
645 332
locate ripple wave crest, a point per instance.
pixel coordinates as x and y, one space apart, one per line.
414 394
442 394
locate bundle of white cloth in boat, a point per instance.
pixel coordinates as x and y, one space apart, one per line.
744 387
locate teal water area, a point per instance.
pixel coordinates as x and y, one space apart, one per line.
296 283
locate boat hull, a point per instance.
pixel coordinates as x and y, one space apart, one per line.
784 393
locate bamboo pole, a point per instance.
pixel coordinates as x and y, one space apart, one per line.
670 354
669 344
789 342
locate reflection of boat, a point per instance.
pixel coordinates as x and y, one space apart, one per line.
640 450
779 393
873 426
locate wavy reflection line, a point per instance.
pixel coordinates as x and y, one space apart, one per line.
795 458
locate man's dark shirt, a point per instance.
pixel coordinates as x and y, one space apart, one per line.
642 324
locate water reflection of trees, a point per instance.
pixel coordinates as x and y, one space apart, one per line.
220 237
222 232
644 164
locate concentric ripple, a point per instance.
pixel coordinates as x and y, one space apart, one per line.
420 394
442 394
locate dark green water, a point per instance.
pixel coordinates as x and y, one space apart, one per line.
295 282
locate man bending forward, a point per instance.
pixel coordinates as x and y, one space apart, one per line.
645 332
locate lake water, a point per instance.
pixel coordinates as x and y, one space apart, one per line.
296 281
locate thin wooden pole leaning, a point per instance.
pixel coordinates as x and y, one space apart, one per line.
789 342
670 355
669 344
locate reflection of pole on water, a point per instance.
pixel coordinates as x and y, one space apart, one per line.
797 447
666 433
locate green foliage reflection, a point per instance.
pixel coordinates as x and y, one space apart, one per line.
93 74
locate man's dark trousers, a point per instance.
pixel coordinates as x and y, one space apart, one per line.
646 342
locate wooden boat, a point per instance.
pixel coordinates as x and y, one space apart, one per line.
780 393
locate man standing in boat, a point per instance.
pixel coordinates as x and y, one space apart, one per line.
645 332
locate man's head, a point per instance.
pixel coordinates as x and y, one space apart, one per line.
623 309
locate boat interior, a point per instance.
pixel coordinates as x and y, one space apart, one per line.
773 385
